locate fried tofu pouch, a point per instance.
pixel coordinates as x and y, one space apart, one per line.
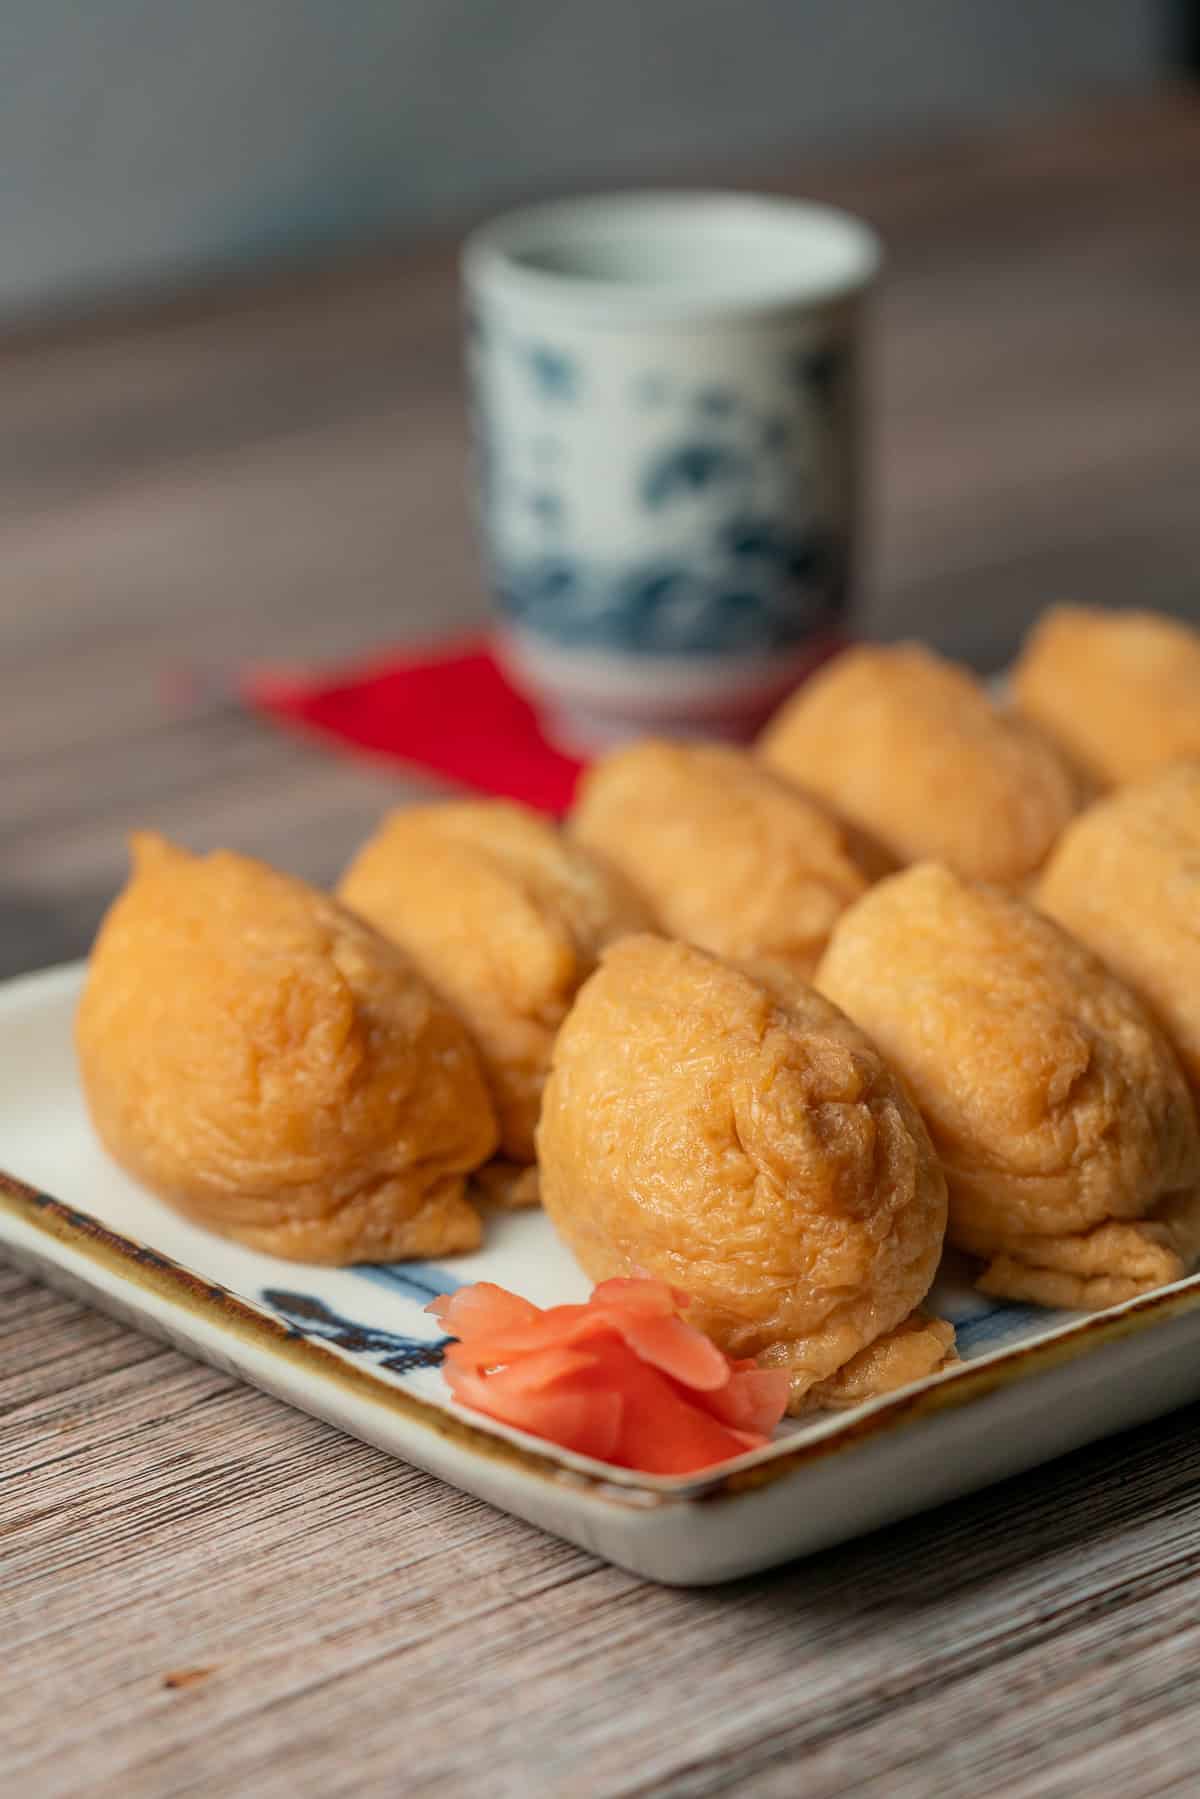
729 856
1058 1108
726 1129
264 1061
910 749
1125 880
505 918
1119 692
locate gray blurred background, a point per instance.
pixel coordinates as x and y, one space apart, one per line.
149 142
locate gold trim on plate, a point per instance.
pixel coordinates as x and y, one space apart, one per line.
963 1385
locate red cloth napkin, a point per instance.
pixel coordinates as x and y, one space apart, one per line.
451 710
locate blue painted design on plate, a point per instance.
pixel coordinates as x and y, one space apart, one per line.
416 1280
312 1318
994 1328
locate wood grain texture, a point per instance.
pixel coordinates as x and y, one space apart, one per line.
278 474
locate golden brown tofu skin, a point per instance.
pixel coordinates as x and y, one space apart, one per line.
264 1061
728 856
920 1346
505 918
1119 692
506 1186
911 750
1125 880
1058 1108
725 1128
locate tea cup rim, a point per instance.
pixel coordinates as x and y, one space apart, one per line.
805 255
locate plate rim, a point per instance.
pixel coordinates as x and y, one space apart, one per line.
126 1259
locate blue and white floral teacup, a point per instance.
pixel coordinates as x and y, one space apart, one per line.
665 400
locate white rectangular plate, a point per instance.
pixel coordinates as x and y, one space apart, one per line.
354 1346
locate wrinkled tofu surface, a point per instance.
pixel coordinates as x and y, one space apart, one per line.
1119 692
505 918
911 749
1058 1107
729 856
727 1129
260 1058
1125 880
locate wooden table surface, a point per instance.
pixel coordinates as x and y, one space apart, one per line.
278 474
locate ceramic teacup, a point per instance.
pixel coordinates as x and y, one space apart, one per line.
665 404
